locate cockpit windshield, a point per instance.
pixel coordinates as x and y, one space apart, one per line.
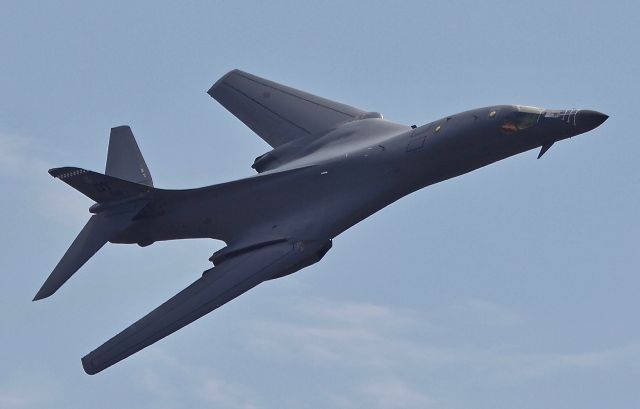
522 117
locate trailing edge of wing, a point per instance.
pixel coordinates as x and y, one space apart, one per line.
216 287
277 113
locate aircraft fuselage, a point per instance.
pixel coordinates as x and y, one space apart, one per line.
352 172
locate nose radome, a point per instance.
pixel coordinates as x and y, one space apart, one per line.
587 119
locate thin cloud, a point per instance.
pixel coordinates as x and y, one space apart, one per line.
8 401
19 157
22 390
22 160
329 333
394 394
354 313
515 368
485 313
387 393
175 383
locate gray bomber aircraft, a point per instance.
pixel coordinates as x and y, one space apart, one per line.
332 165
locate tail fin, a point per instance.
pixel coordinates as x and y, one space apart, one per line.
124 159
120 195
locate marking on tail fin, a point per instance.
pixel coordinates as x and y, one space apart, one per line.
124 159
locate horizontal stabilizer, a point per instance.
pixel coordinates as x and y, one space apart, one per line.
99 187
99 229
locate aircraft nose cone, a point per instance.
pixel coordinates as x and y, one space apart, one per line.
587 119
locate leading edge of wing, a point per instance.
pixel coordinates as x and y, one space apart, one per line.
216 287
275 112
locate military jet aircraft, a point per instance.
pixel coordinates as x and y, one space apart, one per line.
331 166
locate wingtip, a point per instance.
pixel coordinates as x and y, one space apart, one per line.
40 295
88 366
66 172
55 171
213 88
58 172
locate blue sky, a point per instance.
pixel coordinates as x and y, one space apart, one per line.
513 286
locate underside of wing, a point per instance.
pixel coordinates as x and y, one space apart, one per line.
277 113
217 286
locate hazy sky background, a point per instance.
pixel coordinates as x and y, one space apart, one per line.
516 286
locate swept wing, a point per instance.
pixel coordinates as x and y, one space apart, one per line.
277 113
216 287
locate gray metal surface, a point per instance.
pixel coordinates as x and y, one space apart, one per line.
124 159
332 166
95 234
277 113
215 288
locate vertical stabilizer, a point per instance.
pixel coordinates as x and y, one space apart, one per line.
124 159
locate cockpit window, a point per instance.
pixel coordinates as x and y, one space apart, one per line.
523 117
